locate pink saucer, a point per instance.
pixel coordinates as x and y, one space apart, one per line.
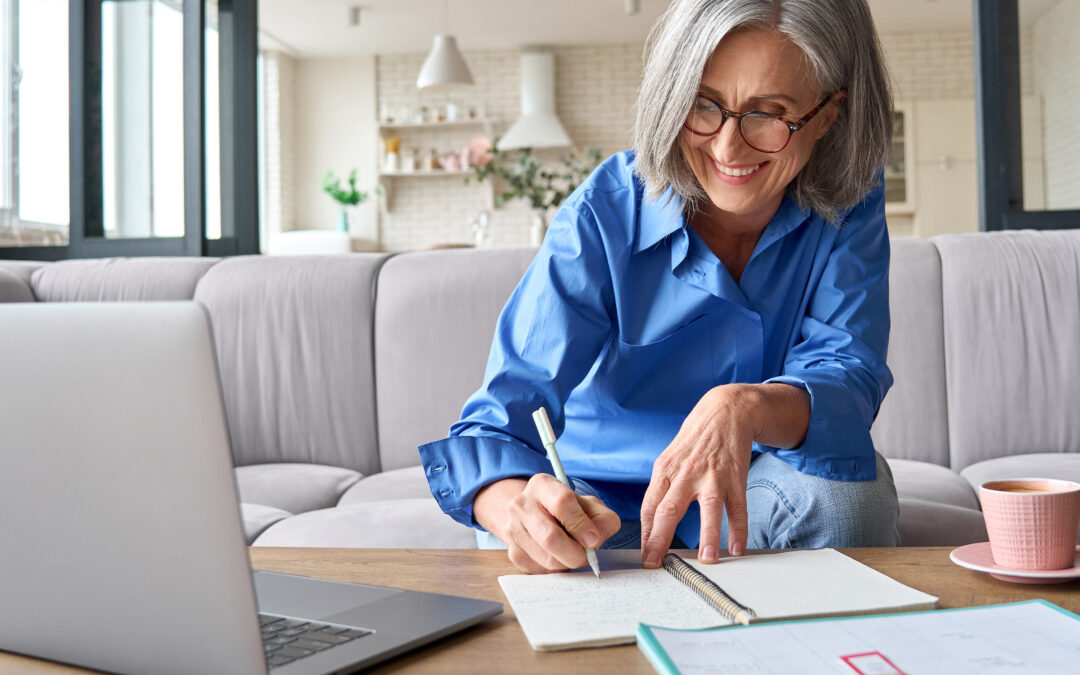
977 557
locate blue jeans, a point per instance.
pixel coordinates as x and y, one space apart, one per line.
790 509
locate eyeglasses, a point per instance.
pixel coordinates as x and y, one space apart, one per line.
761 131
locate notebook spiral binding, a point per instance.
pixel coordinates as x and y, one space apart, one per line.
706 589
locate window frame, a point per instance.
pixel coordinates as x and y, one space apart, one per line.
238 26
997 108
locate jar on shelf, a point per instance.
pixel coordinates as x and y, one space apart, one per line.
408 159
431 160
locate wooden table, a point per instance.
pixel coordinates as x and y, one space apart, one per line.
498 645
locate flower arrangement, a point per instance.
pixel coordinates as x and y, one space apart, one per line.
524 177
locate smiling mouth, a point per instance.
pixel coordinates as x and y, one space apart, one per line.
736 172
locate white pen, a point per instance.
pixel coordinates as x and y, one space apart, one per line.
547 437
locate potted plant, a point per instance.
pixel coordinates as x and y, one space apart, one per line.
344 196
543 186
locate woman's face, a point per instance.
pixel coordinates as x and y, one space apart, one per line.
755 70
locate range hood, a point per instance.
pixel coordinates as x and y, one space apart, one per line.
538 126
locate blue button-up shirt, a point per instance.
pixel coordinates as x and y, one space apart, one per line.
626 318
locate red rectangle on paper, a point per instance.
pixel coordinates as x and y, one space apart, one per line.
871 663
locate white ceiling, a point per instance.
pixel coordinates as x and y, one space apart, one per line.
320 28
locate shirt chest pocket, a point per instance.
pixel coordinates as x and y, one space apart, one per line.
673 372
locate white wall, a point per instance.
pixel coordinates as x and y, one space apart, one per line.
335 130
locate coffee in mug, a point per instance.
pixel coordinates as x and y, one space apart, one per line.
1032 522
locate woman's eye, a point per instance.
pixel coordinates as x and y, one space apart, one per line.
705 105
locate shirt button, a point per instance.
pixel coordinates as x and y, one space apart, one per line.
438 467
854 467
829 468
445 493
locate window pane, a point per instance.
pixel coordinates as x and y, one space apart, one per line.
212 129
7 64
43 116
1050 103
142 118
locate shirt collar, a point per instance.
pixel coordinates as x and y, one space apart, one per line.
659 218
789 216
663 216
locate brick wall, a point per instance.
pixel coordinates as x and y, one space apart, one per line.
595 90
1055 53
279 156
930 65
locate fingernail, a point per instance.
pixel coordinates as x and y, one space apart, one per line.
591 539
708 554
737 550
652 559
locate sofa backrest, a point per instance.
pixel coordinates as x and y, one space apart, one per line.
913 422
1012 343
14 286
119 279
294 344
293 338
435 315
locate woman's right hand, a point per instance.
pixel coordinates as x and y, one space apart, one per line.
546 525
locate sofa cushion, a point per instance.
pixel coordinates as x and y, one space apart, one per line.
931 483
407 483
1037 465
120 279
258 517
924 523
916 358
14 289
1012 355
434 322
396 523
22 269
295 488
294 343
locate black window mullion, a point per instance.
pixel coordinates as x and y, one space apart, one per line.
194 128
238 35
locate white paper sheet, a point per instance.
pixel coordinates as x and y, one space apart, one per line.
1031 638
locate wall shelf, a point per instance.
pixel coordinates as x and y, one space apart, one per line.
412 126
462 130
434 173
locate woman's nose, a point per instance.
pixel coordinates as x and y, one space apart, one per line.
728 140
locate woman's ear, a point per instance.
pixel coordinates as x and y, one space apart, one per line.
831 112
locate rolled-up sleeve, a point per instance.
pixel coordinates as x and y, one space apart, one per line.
547 338
840 360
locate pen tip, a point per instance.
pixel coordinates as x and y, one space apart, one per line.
593 563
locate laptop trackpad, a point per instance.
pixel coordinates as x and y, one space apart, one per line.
312 599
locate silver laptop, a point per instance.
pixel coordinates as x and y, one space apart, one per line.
121 545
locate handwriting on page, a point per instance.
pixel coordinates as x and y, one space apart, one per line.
579 608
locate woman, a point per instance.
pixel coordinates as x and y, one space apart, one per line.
707 320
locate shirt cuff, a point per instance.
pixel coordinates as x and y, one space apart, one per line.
837 444
457 467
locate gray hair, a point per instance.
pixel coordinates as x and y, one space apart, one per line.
841 47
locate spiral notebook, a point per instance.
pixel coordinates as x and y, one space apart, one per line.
575 609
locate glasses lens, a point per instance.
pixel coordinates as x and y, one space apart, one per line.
763 132
705 116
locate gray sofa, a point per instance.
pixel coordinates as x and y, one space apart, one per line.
334 368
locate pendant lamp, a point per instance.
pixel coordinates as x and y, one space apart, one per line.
444 68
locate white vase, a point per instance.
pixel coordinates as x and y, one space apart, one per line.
537 227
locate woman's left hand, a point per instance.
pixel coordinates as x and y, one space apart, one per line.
708 462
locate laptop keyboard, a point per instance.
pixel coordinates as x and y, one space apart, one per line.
286 639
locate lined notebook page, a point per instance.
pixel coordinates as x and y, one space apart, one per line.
808 583
575 609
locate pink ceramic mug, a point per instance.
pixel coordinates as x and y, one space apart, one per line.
1032 522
